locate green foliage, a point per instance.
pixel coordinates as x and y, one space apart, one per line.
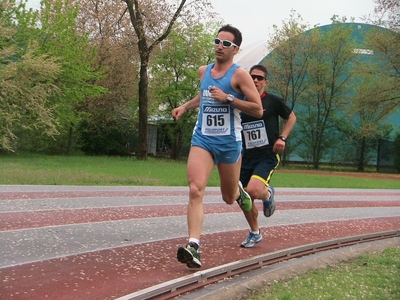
27 81
176 78
310 70
374 96
47 73
152 22
109 139
327 73
342 97
288 62
59 38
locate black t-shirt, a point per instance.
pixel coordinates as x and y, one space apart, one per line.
259 135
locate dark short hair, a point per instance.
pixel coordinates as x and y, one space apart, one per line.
236 33
261 68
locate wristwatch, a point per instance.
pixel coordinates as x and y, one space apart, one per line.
229 98
282 137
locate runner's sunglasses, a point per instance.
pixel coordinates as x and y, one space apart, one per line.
225 43
258 77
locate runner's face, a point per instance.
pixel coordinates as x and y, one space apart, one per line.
259 80
225 54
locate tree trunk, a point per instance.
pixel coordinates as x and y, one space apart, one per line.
143 113
176 144
139 24
315 157
175 149
360 166
70 136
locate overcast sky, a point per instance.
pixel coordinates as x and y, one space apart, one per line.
255 18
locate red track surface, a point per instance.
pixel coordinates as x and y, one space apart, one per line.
115 272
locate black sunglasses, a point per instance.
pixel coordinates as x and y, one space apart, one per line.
225 43
258 77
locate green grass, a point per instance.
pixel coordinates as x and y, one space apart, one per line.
370 276
89 170
318 181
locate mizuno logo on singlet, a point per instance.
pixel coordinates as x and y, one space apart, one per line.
215 109
253 125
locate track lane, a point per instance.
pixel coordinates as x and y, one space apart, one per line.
114 270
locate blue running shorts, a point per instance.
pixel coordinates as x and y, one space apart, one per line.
222 153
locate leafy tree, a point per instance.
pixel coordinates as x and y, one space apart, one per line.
144 25
365 114
59 37
386 44
310 69
110 122
27 80
176 78
152 22
53 32
378 94
328 73
287 66
387 13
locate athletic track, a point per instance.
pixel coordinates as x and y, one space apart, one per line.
91 243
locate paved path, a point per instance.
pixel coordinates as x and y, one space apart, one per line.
68 242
